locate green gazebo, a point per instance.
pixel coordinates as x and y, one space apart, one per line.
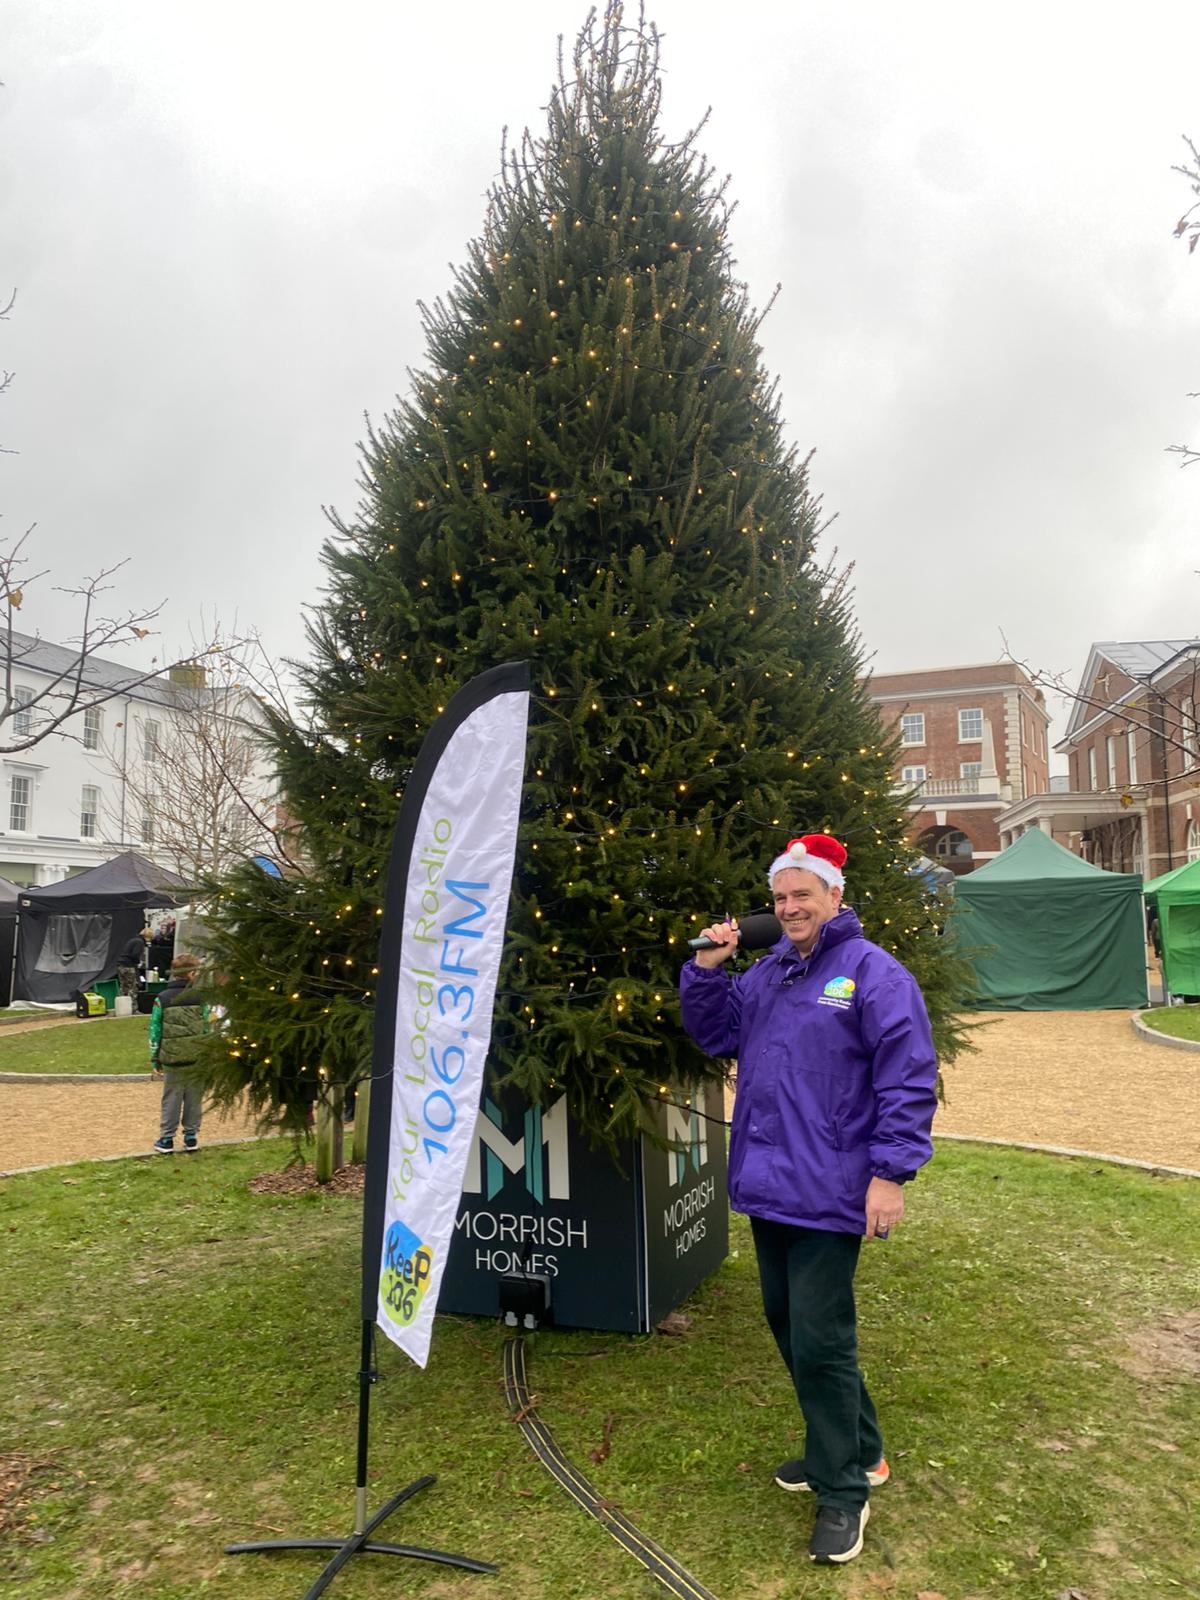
1175 897
1047 931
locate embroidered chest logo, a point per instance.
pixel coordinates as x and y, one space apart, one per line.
838 992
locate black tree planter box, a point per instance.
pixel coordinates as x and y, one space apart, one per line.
621 1241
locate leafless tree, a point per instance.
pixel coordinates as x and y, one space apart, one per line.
1188 227
6 377
1159 711
193 773
63 680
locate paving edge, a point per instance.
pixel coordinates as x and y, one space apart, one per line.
1152 1035
1064 1150
77 1077
957 1138
136 1155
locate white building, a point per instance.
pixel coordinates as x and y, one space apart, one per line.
118 775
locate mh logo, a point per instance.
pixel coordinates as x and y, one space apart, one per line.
688 1136
540 1153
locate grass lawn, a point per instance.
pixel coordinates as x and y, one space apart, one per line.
104 1044
1181 1022
178 1360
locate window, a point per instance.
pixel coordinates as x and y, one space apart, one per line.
1110 751
912 728
1131 737
952 843
970 769
152 731
20 802
1187 725
1092 784
1193 841
89 811
93 723
911 776
22 715
970 724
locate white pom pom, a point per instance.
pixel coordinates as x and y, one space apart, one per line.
798 851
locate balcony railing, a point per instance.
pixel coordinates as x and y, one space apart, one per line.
956 789
936 788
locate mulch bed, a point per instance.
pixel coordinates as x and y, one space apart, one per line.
302 1179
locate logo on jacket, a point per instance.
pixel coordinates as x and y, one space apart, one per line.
839 993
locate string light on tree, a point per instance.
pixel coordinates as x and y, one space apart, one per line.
592 474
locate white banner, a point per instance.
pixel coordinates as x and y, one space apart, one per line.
454 912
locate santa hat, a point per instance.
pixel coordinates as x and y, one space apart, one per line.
813 852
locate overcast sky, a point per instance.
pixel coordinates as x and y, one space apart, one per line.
219 216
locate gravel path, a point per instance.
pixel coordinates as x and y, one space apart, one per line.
44 1123
1079 1079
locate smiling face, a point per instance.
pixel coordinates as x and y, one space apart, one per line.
803 904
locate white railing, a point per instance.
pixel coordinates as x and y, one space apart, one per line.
947 786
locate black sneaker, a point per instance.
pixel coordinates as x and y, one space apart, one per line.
790 1475
190 1141
163 1147
838 1535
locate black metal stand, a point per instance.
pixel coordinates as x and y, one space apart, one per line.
360 1539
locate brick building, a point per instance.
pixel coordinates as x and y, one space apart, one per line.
972 741
1133 751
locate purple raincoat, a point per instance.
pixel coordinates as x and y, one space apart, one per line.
836 1074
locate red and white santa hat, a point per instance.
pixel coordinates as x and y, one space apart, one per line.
813 852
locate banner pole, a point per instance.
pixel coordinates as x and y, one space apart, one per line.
470 703
366 1377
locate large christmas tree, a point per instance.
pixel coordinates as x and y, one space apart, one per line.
589 474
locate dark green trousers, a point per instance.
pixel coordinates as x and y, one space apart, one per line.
808 1294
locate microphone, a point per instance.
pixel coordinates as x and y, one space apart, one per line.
759 931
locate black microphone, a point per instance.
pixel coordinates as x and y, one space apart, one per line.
759 931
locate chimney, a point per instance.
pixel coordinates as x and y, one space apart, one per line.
188 675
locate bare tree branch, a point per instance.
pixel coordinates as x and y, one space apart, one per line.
68 678
1159 712
1188 227
193 775
6 377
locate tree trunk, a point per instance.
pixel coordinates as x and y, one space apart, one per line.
329 1134
362 1113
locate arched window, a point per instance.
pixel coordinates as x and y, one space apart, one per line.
1138 863
952 843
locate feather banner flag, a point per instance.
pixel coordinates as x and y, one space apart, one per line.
445 911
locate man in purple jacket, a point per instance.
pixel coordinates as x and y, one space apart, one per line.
835 1099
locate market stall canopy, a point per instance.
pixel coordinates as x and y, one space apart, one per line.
9 911
71 933
129 880
1175 899
1047 931
935 876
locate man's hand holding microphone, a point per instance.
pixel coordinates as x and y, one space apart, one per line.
715 945
758 931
